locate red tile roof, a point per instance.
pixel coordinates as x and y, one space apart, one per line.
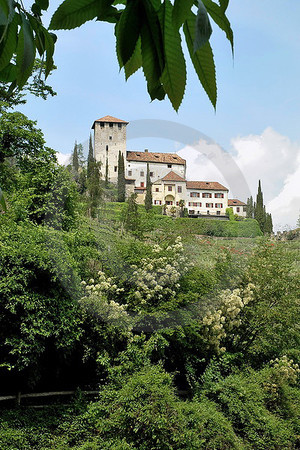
172 176
140 188
206 185
167 158
109 119
235 202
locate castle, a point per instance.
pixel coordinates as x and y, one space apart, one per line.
170 188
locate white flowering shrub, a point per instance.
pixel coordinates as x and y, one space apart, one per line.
98 300
225 319
286 369
156 280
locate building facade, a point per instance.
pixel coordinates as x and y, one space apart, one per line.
167 174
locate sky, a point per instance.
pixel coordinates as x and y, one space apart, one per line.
256 124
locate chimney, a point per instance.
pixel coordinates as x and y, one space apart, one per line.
146 150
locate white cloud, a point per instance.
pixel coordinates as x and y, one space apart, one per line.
270 157
63 159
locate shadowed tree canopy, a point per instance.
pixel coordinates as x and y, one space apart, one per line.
148 37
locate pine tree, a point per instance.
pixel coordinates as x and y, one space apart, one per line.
259 212
121 178
91 158
250 208
148 197
75 160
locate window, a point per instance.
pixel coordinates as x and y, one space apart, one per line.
206 195
218 213
110 138
169 203
151 174
119 126
218 205
209 205
191 211
177 203
169 188
106 148
142 174
142 184
156 189
194 194
237 209
190 203
195 204
157 202
101 125
169 166
179 189
111 125
207 212
130 173
116 168
219 195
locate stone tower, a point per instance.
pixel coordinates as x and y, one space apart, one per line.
109 139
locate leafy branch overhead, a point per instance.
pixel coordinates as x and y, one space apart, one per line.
148 37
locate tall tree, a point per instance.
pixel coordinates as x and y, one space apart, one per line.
90 160
259 212
268 228
121 178
94 189
75 160
250 208
106 174
132 218
148 197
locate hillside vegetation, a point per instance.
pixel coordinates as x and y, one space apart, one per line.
187 328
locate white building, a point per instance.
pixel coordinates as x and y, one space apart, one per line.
167 174
238 207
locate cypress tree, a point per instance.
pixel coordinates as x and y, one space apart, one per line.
121 178
250 208
259 212
94 188
268 224
132 218
90 159
106 173
148 197
75 160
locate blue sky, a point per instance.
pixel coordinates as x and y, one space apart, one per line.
257 91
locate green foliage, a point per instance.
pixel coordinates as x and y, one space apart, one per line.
148 197
94 188
38 290
229 213
132 221
250 208
269 323
148 37
90 159
35 85
22 35
245 401
19 137
2 201
75 161
121 178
